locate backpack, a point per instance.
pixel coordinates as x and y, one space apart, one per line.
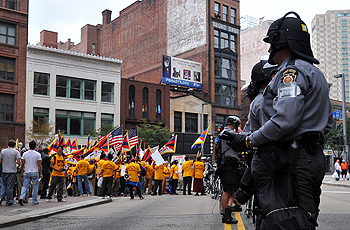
143 171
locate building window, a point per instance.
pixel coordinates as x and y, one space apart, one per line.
7 105
11 4
61 86
344 21
345 70
344 38
225 13
344 43
205 123
344 32
191 122
132 101
225 68
93 48
225 95
216 39
177 122
345 59
233 16
217 9
7 69
41 83
75 123
158 104
345 65
145 103
345 49
220 122
89 90
75 88
225 40
40 117
107 92
344 54
107 119
7 34
344 27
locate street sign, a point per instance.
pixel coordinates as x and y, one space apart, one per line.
337 114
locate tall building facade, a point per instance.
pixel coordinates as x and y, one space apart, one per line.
203 31
330 44
248 22
13 43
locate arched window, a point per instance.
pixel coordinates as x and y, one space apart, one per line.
132 101
158 104
145 103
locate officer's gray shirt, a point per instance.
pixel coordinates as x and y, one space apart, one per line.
9 157
228 151
255 116
288 117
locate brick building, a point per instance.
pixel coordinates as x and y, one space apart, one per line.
198 30
13 43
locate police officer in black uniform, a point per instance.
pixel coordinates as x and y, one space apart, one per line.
228 161
297 115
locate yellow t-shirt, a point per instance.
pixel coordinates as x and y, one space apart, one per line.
118 174
186 168
143 163
173 171
99 165
166 171
60 163
149 171
158 174
198 168
73 173
83 167
133 171
108 168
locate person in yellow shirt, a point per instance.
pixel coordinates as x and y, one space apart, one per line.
149 178
174 172
134 169
187 175
59 167
99 166
73 178
92 176
158 179
107 172
165 184
83 168
116 181
198 169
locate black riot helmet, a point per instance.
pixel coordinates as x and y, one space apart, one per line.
233 120
294 33
261 74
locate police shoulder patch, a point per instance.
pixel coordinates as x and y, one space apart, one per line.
289 75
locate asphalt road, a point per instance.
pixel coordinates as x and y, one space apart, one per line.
181 212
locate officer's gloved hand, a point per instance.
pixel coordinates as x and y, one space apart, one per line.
238 142
226 135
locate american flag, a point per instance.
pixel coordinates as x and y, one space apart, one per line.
116 137
133 138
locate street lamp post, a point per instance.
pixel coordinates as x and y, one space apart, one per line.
202 124
344 113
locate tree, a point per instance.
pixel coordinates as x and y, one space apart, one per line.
337 130
41 131
153 134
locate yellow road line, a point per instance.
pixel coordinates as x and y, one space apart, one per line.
227 227
240 224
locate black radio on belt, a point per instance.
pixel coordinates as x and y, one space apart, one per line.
313 142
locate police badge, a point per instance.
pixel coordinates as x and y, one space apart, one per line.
288 86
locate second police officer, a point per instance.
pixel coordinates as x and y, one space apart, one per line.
297 115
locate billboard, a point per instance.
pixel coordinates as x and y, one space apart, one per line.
181 72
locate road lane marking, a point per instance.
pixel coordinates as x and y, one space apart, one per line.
240 224
227 227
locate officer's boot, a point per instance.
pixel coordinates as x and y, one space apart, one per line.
228 219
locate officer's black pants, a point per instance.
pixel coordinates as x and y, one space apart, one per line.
307 175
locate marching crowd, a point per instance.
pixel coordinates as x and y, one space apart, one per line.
31 173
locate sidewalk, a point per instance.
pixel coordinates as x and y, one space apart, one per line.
12 215
328 180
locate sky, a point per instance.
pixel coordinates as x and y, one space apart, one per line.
68 16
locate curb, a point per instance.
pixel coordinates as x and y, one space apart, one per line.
336 185
58 210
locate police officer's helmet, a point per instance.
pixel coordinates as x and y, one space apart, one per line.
294 33
261 72
233 120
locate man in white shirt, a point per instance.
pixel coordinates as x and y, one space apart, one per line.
33 171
